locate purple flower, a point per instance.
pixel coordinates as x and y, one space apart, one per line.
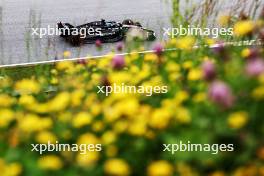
118 62
98 43
255 67
221 94
221 51
219 48
158 49
120 46
209 70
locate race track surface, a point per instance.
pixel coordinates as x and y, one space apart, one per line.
18 16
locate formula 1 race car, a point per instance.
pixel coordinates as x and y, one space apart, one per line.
105 31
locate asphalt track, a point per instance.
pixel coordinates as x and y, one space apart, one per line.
17 45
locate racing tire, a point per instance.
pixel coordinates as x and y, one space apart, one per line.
75 40
128 22
138 24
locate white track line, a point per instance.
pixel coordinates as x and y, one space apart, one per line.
121 54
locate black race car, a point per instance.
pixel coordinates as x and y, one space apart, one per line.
105 31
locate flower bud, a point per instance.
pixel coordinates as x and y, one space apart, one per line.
209 70
219 48
98 43
118 62
221 94
255 67
120 46
158 49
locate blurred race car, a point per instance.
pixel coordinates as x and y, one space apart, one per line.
105 31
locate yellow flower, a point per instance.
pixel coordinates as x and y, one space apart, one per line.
182 115
2 164
6 101
96 109
140 74
173 67
104 62
112 114
116 167
54 80
5 81
195 74
172 42
242 28
121 126
31 123
89 100
199 97
150 57
258 93
98 126
87 159
50 162
60 102
217 173
27 86
54 72
109 137
134 55
154 81
6 116
261 79
224 20
77 96
45 137
13 169
160 168
238 120
245 52
210 41
65 65
129 106
120 77
160 118
186 43
187 65
81 119
180 97
27 100
88 138
138 127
